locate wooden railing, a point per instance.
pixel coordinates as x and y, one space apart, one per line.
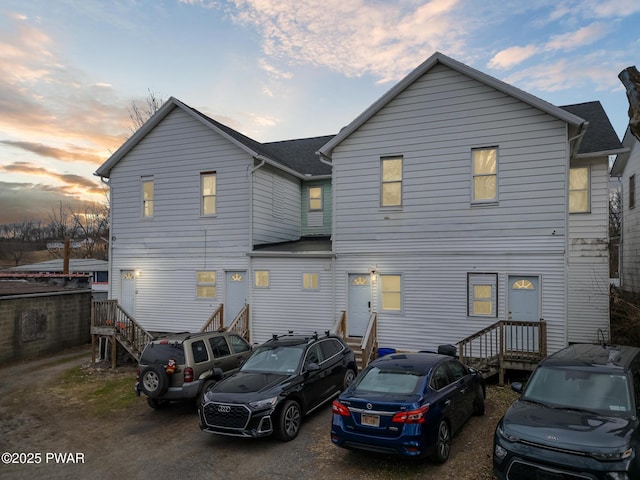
505 344
215 321
240 324
340 325
110 319
370 340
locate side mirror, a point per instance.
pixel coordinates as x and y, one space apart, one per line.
313 367
516 387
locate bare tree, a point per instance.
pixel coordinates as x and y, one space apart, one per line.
139 114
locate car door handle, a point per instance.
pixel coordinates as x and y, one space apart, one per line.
447 403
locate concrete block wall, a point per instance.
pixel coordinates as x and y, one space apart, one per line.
34 325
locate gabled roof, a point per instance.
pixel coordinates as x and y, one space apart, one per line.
439 58
294 156
600 137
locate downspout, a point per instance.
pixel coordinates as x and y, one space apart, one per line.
334 273
111 239
250 270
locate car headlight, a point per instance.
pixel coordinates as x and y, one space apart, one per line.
266 403
506 436
610 457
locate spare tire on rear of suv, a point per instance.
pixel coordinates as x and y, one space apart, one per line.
153 380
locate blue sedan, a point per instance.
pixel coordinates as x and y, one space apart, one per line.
407 404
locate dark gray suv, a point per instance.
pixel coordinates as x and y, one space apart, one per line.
184 366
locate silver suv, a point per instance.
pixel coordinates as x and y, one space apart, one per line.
184 366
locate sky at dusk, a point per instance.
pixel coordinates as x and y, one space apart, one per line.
271 69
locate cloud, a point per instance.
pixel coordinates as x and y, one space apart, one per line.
358 37
71 154
73 183
511 56
581 37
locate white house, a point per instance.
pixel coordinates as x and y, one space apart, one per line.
454 201
627 168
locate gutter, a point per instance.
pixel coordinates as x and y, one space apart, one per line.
112 237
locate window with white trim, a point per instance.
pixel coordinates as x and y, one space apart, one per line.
315 199
391 187
208 193
205 284
262 278
579 190
147 197
391 292
485 174
310 281
482 294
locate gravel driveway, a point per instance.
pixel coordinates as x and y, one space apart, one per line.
62 440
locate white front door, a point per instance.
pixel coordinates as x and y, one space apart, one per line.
128 291
359 307
235 295
524 305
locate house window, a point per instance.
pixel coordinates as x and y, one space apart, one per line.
391 292
579 190
206 284
310 281
147 197
632 191
485 174
262 278
315 198
483 294
391 189
208 193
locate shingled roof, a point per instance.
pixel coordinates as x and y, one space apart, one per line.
600 136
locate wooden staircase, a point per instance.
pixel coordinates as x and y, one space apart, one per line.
365 348
507 344
110 320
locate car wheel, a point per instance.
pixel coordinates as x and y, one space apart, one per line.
157 404
289 420
478 402
153 381
208 385
349 375
443 443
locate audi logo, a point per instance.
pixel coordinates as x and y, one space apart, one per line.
224 408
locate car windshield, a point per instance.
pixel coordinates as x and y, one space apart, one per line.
400 382
274 359
579 389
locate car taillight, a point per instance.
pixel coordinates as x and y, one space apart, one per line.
188 374
137 374
413 416
340 409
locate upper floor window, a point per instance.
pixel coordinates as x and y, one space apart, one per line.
391 188
206 285
485 174
391 292
315 198
147 196
579 190
632 191
483 294
208 193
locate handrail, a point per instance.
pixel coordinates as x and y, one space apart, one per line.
240 324
107 317
506 340
340 325
214 323
369 343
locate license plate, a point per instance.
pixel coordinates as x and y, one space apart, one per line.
370 420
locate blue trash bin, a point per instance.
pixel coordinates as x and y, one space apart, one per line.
385 351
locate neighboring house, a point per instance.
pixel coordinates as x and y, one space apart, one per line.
97 270
454 201
627 170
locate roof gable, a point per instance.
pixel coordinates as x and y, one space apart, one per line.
600 137
439 58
